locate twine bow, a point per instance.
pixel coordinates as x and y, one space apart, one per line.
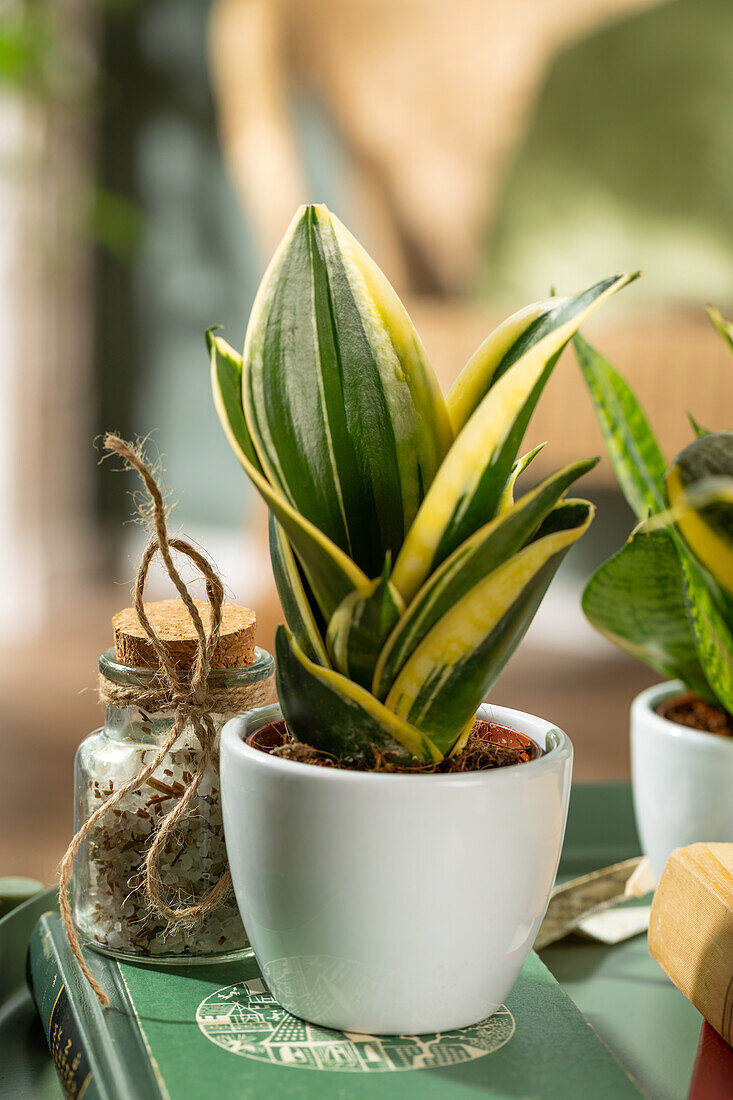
186 696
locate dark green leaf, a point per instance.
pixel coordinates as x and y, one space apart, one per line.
713 634
637 600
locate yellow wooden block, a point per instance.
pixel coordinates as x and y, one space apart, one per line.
691 929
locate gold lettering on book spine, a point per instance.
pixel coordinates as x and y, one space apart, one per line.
66 1051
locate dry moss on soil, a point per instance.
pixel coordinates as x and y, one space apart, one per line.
488 746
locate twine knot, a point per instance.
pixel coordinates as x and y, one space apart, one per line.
186 695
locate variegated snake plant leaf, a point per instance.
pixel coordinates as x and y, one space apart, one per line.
407 571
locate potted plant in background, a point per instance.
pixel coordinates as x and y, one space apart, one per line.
400 890
667 598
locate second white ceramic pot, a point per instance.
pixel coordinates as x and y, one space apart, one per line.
682 779
393 904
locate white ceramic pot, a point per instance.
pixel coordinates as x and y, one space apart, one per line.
393 904
682 779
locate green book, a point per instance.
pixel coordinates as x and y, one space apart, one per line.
214 1029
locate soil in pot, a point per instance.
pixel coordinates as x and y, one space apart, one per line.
691 710
489 745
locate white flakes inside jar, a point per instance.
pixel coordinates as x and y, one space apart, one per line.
111 904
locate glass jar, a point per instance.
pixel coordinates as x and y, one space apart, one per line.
110 905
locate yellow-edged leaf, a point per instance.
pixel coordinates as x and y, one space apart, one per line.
360 626
339 397
507 497
455 665
467 489
328 711
474 381
296 606
330 572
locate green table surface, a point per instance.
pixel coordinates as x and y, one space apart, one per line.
636 1010
651 1028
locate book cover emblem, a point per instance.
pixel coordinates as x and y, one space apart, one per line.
245 1019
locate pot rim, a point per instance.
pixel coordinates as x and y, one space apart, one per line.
555 743
645 703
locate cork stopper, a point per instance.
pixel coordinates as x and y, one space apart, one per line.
172 623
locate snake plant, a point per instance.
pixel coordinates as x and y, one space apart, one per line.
667 596
406 570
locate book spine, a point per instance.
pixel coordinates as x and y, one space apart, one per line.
100 1053
691 929
51 987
